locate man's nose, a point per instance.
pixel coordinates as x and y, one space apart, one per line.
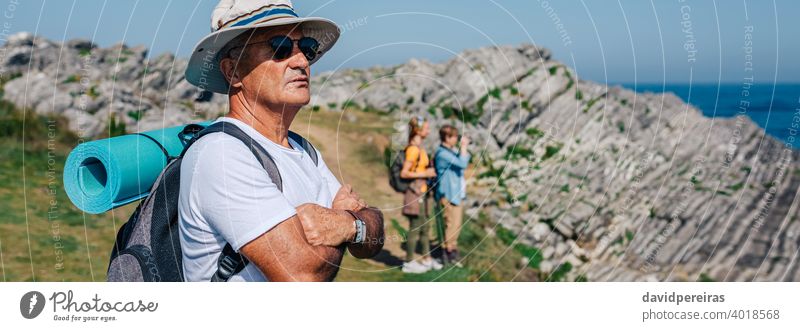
298 60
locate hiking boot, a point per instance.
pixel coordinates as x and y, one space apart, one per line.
414 267
454 258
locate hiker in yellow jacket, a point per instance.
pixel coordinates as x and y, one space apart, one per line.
417 168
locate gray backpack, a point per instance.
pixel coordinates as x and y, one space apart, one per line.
399 184
148 248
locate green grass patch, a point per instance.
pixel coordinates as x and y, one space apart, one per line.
135 115
550 151
571 81
481 102
35 205
533 254
518 152
560 273
460 114
447 111
432 111
534 133
705 278
92 92
495 93
590 104
526 105
71 79
350 104
495 173
508 238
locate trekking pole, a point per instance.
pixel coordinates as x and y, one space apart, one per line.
437 209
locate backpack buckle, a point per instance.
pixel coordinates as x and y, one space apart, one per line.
227 266
189 133
229 263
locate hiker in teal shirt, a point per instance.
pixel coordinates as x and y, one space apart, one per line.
451 189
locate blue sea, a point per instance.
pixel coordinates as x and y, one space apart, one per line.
771 106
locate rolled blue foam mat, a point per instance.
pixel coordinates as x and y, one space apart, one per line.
104 174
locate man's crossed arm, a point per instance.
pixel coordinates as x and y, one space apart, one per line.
309 245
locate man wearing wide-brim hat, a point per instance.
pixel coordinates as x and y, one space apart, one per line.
259 53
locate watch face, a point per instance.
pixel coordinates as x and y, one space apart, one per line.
361 230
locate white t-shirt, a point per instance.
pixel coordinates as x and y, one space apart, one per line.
226 196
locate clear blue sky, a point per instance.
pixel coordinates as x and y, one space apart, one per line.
608 41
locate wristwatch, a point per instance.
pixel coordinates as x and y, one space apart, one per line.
361 228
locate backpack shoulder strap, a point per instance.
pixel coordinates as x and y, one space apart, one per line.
307 146
231 262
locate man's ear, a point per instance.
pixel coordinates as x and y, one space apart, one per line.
228 67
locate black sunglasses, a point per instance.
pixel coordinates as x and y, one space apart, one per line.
282 47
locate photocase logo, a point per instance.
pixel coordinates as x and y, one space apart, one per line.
31 304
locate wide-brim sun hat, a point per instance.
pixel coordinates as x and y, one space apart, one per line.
234 17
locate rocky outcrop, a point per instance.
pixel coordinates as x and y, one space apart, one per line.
90 85
605 183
